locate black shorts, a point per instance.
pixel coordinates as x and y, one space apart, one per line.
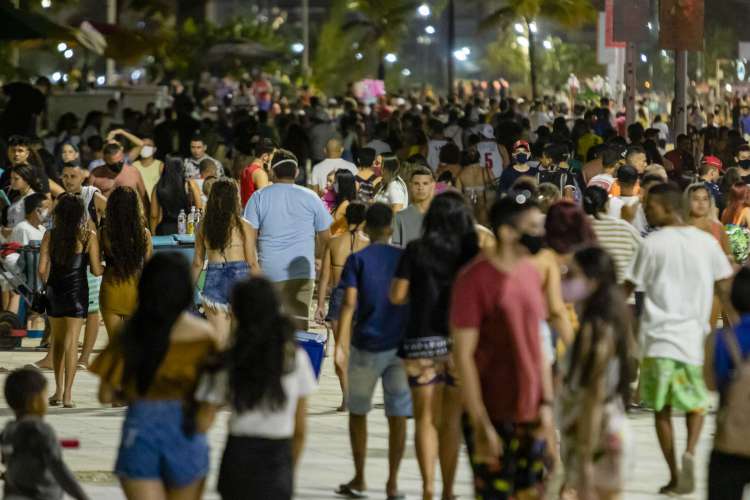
256 469
522 466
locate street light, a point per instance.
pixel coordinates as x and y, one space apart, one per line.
523 41
466 51
519 28
406 72
101 80
532 27
62 47
430 30
423 10
358 56
460 55
56 76
46 4
298 47
547 44
68 53
644 58
391 57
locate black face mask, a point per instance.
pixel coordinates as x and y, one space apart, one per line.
532 243
521 158
116 167
744 163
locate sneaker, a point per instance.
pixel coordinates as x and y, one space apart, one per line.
686 482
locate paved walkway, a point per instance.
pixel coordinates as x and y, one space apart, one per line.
326 461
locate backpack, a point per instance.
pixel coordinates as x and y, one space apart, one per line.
733 418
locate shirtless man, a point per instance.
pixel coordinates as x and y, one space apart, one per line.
476 184
339 248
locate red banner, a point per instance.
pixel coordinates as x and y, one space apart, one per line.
681 24
631 21
609 32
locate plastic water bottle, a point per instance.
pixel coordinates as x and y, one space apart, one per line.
182 223
191 221
198 216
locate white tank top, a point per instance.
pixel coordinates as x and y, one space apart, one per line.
489 157
433 153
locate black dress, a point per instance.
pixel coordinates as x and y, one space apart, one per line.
171 204
68 289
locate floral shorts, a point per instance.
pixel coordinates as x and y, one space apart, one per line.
667 382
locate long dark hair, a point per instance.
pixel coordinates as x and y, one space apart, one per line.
171 185
263 350
124 235
146 335
345 186
67 229
28 174
222 214
603 310
449 238
595 201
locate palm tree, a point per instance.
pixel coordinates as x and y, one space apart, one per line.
379 25
568 13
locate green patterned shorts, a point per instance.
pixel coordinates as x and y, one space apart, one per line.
667 382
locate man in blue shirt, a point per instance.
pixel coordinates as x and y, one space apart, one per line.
374 337
286 219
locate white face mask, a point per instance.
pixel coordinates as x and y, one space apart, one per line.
147 151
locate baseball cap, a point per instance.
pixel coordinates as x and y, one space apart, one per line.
714 162
487 130
521 145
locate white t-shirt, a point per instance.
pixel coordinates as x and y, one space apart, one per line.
262 422
379 146
677 267
489 157
24 232
433 152
321 170
396 193
604 181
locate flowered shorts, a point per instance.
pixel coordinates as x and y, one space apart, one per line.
667 382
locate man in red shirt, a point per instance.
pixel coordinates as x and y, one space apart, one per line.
254 176
496 312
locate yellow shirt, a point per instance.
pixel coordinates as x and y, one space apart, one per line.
150 174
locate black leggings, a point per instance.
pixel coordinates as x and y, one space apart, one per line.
256 468
727 476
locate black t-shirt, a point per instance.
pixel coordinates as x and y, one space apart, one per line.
511 175
429 295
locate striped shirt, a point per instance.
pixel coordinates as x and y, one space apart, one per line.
619 239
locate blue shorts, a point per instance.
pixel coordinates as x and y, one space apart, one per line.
335 302
153 446
365 368
220 279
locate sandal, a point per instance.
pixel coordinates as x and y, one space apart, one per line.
345 490
53 401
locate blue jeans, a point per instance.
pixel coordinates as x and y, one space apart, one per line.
365 368
154 446
220 279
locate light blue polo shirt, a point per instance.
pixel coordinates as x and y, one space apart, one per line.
287 217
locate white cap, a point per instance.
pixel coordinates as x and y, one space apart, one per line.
487 131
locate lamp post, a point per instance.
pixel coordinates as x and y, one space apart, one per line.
451 43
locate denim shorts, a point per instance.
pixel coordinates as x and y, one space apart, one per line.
220 278
154 446
365 368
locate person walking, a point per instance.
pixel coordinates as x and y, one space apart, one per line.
679 268
223 239
367 349
265 379
407 224
173 193
596 388
153 365
339 248
126 245
66 249
286 221
393 190
424 279
496 311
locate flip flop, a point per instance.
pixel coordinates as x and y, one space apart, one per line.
347 491
54 402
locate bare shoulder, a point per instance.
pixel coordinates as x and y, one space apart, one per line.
191 328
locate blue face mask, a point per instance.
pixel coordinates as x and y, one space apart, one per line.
521 157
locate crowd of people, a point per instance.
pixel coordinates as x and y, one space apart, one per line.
513 287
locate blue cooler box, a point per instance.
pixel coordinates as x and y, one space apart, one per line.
315 345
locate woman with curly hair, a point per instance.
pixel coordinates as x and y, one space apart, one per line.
65 251
126 245
222 239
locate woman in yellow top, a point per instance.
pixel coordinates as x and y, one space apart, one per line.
149 167
126 245
154 367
